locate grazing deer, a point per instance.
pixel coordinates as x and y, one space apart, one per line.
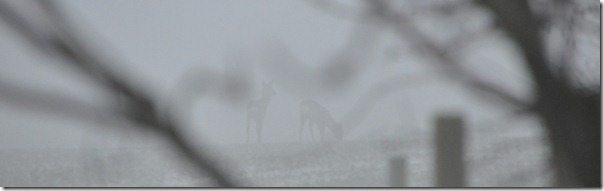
315 114
256 110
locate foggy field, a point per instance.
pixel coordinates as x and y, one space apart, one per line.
167 93
493 162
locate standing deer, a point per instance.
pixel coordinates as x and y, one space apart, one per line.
256 110
315 114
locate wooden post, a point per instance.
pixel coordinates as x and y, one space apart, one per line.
397 172
449 139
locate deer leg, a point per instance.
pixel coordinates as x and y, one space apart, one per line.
259 132
302 123
300 134
301 126
247 139
321 131
312 134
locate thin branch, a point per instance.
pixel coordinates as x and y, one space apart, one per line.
404 27
142 110
47 45
18 23
462 41
60 105
197 155
73 48
335 9
335 74
381 11
380 90
55 104
145 110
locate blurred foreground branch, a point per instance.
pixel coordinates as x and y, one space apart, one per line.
570 115
67 44
403 25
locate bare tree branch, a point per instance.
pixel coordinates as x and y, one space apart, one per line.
335 9
142 110
379 91
577 151
403 26
463 41
452 68
21 27
56 104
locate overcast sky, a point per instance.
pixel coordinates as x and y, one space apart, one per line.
161 40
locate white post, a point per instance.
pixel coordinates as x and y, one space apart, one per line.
449 139
397 172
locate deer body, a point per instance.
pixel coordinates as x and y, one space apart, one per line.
314 114
256 110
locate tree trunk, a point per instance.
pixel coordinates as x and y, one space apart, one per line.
571 118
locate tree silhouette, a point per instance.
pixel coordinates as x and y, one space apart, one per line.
569 110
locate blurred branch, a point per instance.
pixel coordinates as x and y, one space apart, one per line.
55 104
51 45
335 9
404 27
378 92
517 21
69 46
335 74
574 131
19 24
462 41
197 155
576 150
401 24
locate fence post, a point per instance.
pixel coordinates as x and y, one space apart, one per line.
397 172
449 139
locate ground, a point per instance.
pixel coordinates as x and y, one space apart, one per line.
499 161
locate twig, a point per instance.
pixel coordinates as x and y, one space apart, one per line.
142 110
380 90
403 26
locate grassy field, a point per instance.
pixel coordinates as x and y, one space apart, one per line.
491 162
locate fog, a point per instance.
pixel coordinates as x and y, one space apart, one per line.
132 93
161 41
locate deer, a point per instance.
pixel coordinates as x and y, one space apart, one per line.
256 110
314 114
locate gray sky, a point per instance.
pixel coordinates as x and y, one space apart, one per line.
161 40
